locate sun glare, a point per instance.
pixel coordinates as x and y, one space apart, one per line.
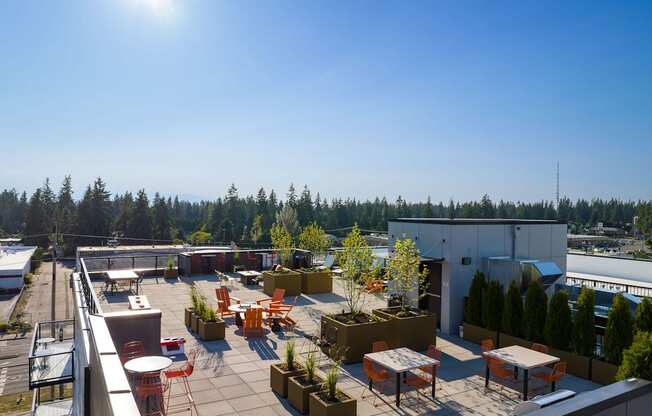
156 7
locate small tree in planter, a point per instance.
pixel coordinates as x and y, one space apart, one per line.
618 333
637 359
473 313
492 306
282 243
643 320
170 270
279 373
300 387
559 324
313 238
534 312
330 401
513 311
583 335
403 270
355 259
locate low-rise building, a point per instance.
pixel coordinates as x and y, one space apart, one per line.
15 263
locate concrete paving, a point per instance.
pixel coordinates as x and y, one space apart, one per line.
231 377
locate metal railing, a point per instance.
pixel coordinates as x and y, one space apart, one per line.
88 291
626 288
51 359
145 262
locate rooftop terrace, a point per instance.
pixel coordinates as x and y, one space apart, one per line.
232 376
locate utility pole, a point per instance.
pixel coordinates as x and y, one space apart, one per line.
557 185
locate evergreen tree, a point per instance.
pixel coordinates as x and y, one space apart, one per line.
140 220
492 306
304 207
534 312
559 323
637 359
291 196
583 335
161 219
428 211
473 314
36 227
257 230
125 205
66 213
618 333
643 320
513 311
287 217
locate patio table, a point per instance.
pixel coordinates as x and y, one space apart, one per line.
249 277
520 357
400 361
116 276
148 364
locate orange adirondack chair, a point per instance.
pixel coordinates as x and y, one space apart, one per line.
281 311
224 300
374 286
253 322
277 297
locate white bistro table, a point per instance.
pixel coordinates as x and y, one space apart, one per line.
249 277
400 361
116 276
148 364
520 357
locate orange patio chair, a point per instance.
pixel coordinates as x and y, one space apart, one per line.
540 348
374 286
277 297
375 374
281 311
422 377
379 346
552 377
498 370
149 386
224 300
253 322
180 375
131 350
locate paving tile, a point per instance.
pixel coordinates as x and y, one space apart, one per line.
247 402
224 381
237 390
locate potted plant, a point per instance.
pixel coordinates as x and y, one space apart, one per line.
199 311
348 335
330 401
409 326
316 280
170 270
300 387
188 312
313 238
280 373
209 326
282 277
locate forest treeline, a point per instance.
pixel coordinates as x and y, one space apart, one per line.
234 217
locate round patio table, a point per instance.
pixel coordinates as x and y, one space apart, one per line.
148 364
45 341
242 308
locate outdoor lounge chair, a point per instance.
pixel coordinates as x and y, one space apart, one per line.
253 322
224 300
277 297
281 312
374 286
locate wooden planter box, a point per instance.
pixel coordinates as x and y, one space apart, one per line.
168 274
413 332
353 341
603 372
299 393
290 281
278 378
187 316
194 322
476 334
210 331
509 340
577 365
316 281
318 407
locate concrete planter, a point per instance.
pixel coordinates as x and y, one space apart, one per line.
345 407
509 340
299 393
577 365
319 281
353 341
194 322
210 331
278 378
413 332
290 281
476 334
603 372
169 274
187 316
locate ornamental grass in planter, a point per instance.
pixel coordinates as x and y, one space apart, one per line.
198 306
170 271
209 326
410 328
300 387
330 401
316 280
280 373
282 278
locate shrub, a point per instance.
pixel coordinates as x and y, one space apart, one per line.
643 320
330 384
29 277
209 314
618 333
513 311
534 312
473 313
637 359
282 243
170 263
492 306
583 335
559 323
4 326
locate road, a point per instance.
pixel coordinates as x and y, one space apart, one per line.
14 349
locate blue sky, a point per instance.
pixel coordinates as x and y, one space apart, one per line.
354 98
